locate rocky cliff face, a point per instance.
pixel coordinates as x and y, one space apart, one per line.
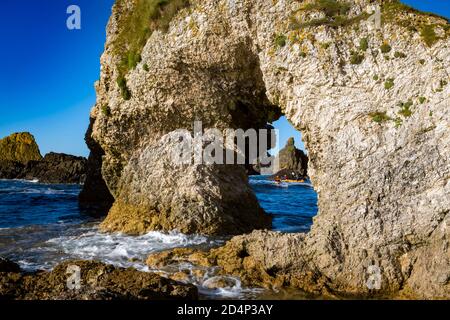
372 105
19 147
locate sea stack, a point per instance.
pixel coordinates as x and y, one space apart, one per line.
19 147
293 162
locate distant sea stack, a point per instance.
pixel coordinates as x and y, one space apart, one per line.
293 160
19 147
20 158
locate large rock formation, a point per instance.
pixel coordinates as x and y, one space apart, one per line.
19 147
97 281
371 102
292 161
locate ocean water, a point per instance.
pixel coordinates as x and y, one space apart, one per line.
42 225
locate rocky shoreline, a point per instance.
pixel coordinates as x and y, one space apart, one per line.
97 281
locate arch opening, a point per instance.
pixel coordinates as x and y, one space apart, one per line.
292 204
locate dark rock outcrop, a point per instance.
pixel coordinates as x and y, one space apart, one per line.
57 168
8 266
10 169
98 281
95 193
20 158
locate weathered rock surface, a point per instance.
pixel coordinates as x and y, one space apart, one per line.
372 105
11 169
193 199
19 147
98 282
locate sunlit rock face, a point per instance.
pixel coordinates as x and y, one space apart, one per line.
372 105
19 147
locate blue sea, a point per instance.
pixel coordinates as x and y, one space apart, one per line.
42 225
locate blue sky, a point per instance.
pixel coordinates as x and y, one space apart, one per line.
47 72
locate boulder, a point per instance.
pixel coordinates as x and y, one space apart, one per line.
8 266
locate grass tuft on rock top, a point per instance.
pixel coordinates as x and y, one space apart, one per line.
363 44
389 84
137 26
395 12
428 35
335 14
356 58
331 8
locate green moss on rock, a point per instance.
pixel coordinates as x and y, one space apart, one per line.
379 117
356 58
389 84
136 26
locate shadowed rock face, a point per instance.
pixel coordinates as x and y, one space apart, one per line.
375 124
98 281
57 168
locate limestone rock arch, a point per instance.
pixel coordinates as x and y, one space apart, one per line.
372 105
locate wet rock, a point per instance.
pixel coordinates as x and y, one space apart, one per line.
219 282
178 255
98 282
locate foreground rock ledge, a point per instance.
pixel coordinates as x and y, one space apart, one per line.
372 107
99 281
274 260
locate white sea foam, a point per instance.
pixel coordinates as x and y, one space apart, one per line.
122 250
